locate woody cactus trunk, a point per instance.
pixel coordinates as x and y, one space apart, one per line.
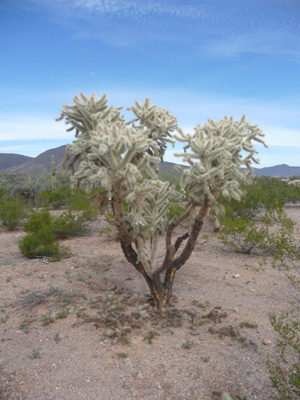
122 158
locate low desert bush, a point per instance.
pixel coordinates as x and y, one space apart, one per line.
41 244
175 210
110 229
54 199
43 231
242 234
37 220
12 211
68 224
284 367
273 233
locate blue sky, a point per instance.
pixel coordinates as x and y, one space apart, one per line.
198 58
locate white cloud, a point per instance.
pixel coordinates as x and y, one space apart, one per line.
278 118
30 148
41 128
225 31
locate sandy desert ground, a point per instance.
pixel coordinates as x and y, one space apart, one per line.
82 328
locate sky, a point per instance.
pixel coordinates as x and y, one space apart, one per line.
199 59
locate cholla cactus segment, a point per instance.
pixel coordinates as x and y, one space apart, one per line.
294 183
149 203
110 158
157 123
216 154
85 115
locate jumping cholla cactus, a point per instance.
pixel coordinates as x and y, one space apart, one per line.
123 157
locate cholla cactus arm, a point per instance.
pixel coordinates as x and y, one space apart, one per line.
215 159
157 123
294 183
84 117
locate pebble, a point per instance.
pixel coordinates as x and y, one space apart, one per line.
266 342
52 367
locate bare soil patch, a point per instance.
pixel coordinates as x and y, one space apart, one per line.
84 328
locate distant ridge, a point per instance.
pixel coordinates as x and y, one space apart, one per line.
15 163
282 171
39 165
12 160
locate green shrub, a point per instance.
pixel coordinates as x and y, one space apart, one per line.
274 233
54 200
172 179
68 224
37 220
4 191
243 235
175 210
110 230
41 244
12 211
264 194
284 368
79 202
281 242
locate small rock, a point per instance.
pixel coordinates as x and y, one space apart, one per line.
145 314
225 396
236 276
136 315
247 324
52 367
126 385
266 342
216 395
133 300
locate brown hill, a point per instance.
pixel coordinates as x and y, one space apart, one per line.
41 164
12 160
282 171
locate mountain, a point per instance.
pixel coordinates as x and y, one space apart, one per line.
12 160
39 165
282 171
15 163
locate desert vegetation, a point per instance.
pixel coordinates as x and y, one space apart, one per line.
213 211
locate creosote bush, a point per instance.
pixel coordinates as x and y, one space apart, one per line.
68 224
12 211
40 240
273 233
44 230
41 244
284 368
54 199
122 158
243 235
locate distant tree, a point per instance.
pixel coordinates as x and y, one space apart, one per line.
123 157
